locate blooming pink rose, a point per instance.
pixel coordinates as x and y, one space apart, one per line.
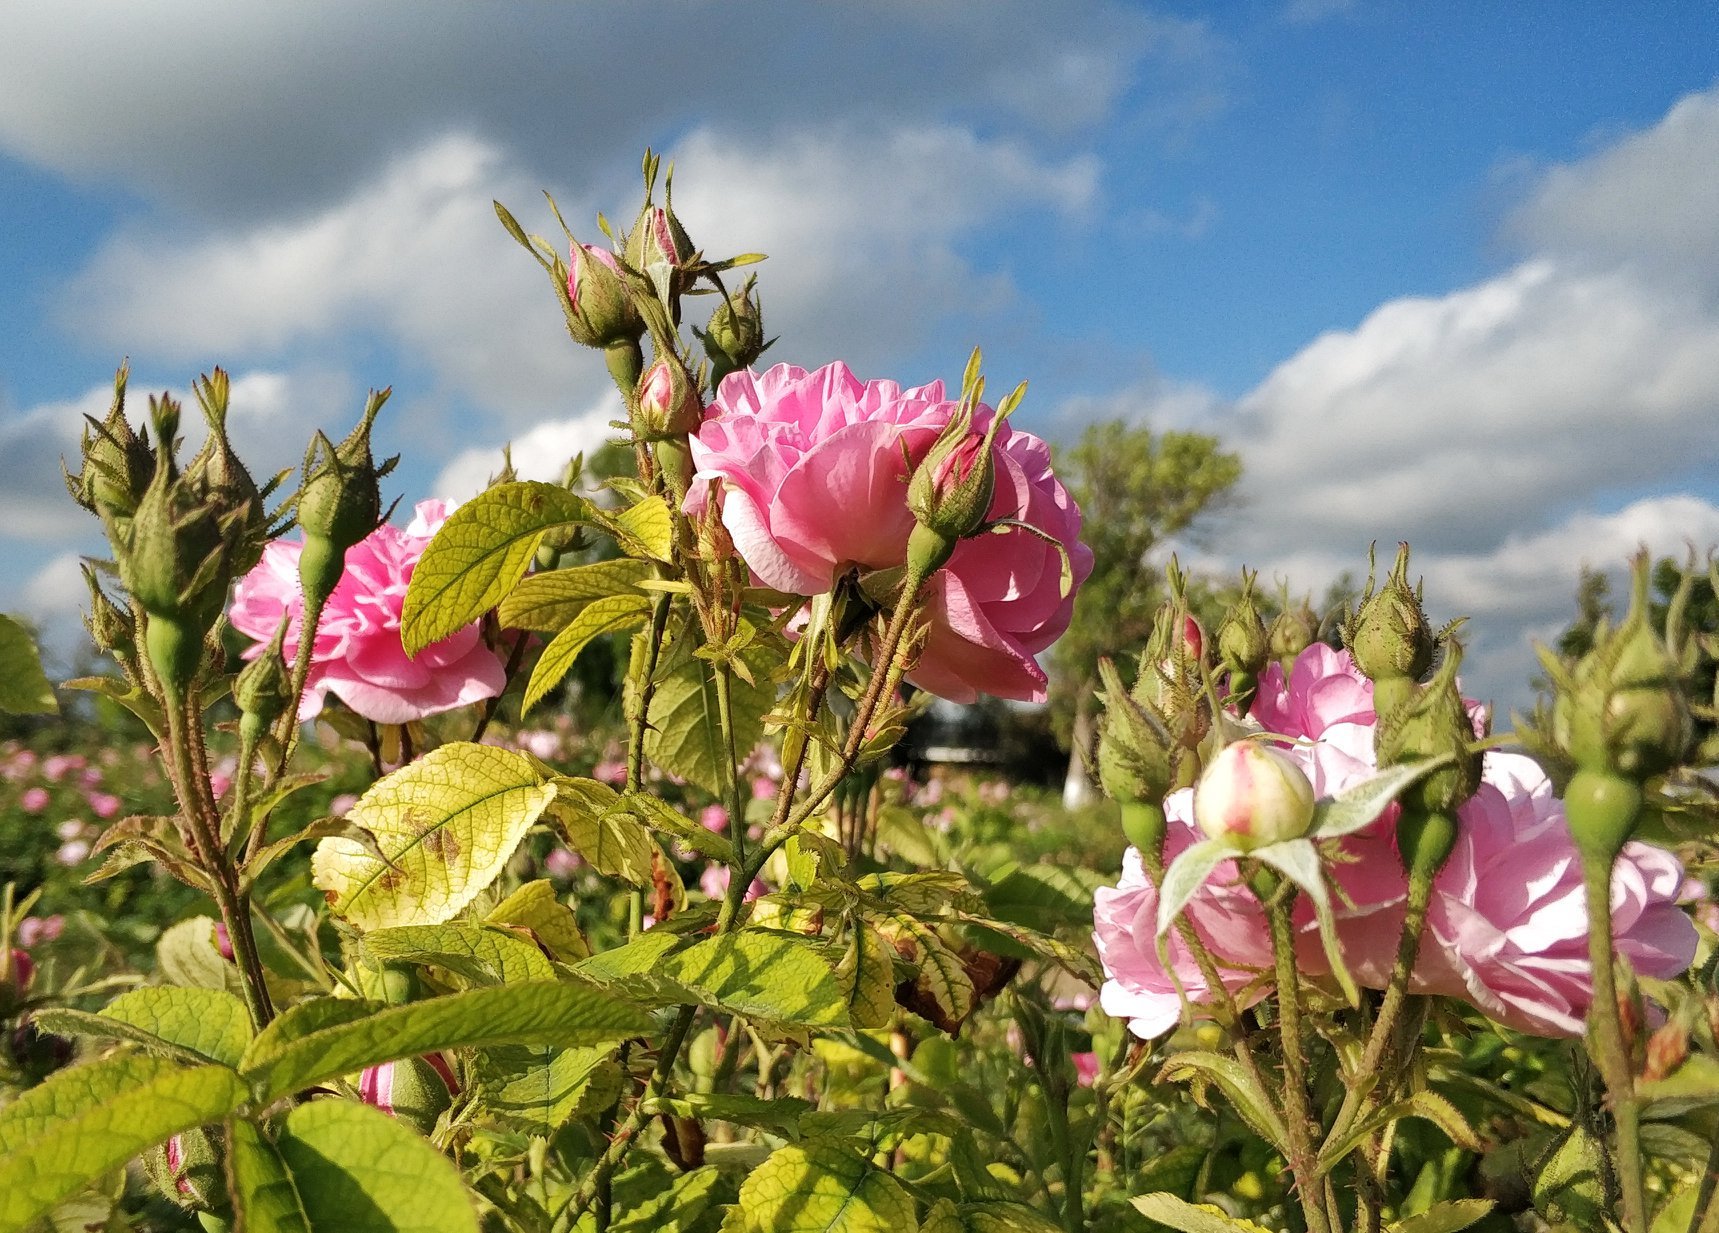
713 818
102 804
33 800
1507 925
812 471
358 656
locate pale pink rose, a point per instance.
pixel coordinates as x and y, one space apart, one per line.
1507 925
33 800
610 771
58 766
713 818
91 776
342 804
539 742
358 655
34 930
73 852
562 863
714 883
812 471
70 829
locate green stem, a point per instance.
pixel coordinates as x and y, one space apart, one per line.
639 722
1606 1042
736 807
1298 1111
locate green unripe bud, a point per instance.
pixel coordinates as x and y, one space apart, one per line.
340 498
1602 809
1624 710
111 627
1433 723
187 1171
1389 636
1143 825
734 338
117 462
599 304
1295 629
1243 645
226 484
1137 754
417 1090
263 690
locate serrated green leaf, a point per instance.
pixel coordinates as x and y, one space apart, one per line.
685 1200
24 688
820 1188
302 1047
1358 804
447 823
1043 896
614 615
775 976
193 1024
1448 1217
537 908
1424 1104
343 1167
1191 1217
866 974
479 553
539 1091
646 529
930 891
186 955
665 819
88 1120
547 602
685 737
1238 1088
483 954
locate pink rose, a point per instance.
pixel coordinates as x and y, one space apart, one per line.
812 472
1507 926
1086 1068
102 804
33 800
358 656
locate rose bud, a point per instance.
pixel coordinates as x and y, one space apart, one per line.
187 1170
339 501
600 309
1389 637
20 970
1243 645
1294 630
668 402
1252 795
734 338
416 1089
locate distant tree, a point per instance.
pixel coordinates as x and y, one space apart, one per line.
1136 488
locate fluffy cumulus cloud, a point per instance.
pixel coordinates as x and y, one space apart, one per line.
542 452
1555 415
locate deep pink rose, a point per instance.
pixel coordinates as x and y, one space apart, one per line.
1507 925
358 656
812 471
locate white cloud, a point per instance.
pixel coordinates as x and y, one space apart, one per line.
539 453
57 590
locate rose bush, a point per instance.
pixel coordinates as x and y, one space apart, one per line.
1508 922
811 471
357 655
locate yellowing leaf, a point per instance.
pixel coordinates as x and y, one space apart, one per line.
646 529
478 555
867 978
483 954
762 975
616 614
546 602
446 823
536 907
820 1188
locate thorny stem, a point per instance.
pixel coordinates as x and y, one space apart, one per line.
736 807
1606 1043
1298 1112
639 721
203 830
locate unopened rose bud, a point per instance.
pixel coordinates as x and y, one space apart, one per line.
1389 637
339 501
1136 750
951 489
734 338
1434 722
1623 710
668 402
187 1171
657 238
15 980
263 690
111 627
599 307
226 484
417 1090
1252 795
117 462
1295 629
1243 645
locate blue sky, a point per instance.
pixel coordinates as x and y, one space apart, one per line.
1444 273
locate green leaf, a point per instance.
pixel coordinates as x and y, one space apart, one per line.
547 602
776 976
646 529
597 825
685 737
1423 1104
302 1047
540 1092
685 1199
194 1025
1449 1217
665 819
938 972
484 954
186 955
614 615
820 1188
343 1167
1360 803
447 824
1190 1217
1203 1066
536 907
999 1216
24 688
780 1116
1298 860
1186 874
478 555
866 975
89 1120
1043 896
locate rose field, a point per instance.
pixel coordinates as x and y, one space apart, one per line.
827 807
